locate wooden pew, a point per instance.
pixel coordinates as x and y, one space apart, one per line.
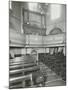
56 62
22 65
18 63
17 79
25 70
21 79
28 66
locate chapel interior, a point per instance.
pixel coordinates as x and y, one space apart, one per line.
37 44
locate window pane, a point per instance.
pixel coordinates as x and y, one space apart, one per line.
55 11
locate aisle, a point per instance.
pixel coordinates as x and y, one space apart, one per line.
52 78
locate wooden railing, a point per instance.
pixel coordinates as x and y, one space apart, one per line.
44 41
22 40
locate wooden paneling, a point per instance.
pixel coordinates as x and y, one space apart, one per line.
16 38
34 39
54 39
28 29
15 23
46 41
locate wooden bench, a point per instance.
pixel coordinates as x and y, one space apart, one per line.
22 66
24 70
56 62
22 63
25 77
20 79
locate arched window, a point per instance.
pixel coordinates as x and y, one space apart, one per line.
55 31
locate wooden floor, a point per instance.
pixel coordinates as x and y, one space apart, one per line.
52 78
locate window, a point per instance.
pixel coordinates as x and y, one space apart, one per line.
55 11
10 5
33 6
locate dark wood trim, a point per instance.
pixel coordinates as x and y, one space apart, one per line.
29 26
34 12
